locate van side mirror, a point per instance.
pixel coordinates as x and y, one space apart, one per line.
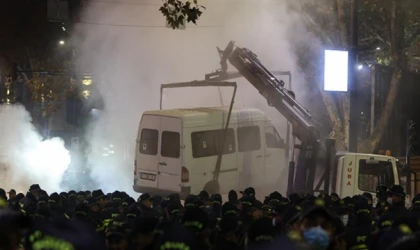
403 167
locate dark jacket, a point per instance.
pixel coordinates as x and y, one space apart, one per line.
28 204
395 210
357 236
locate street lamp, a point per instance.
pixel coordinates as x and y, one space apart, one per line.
87 81
61 42
86 94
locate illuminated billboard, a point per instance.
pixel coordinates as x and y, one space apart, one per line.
336 68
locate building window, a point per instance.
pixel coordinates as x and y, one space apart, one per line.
207 143
149 141
249 139
171 144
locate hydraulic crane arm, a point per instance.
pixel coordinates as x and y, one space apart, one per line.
277 96
249 66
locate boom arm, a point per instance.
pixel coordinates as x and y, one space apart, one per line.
248 65
273 90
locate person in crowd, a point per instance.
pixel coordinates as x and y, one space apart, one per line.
415 205
356 237
396 201
381 201
93 220
248 192
233 197
12 194
29 202
116 241
231 234
144 204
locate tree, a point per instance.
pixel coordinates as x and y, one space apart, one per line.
390 25
51 83
177 12
33 41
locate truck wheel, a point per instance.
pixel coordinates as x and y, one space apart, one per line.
212 187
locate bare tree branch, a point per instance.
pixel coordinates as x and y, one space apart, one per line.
323 35
373 141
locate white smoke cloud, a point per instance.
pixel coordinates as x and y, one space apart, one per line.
25 158
131 62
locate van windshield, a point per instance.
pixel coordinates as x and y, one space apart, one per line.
373 173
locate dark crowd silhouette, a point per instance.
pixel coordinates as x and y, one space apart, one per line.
94 220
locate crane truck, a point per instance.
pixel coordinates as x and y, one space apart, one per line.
319 168
344 173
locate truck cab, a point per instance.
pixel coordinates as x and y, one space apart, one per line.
358 173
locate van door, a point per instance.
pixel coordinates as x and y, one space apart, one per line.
274 153
147 151
170 154
250 155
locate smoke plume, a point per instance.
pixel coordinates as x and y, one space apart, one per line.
25 158
131 52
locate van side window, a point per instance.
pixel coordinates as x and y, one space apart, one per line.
207 143
171 144
149 141
249 138
273 139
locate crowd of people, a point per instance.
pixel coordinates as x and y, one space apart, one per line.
94 220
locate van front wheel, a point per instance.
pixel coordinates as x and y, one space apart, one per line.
212 187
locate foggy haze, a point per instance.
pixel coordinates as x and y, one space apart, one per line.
26 159
130 63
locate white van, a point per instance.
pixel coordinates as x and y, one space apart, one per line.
176 151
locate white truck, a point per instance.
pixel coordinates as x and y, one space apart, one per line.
178 150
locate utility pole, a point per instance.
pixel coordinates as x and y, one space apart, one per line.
412 147
354 103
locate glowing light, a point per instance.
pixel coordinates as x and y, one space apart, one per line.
378 48
336 70
86 94
360 67
61 42
87 82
